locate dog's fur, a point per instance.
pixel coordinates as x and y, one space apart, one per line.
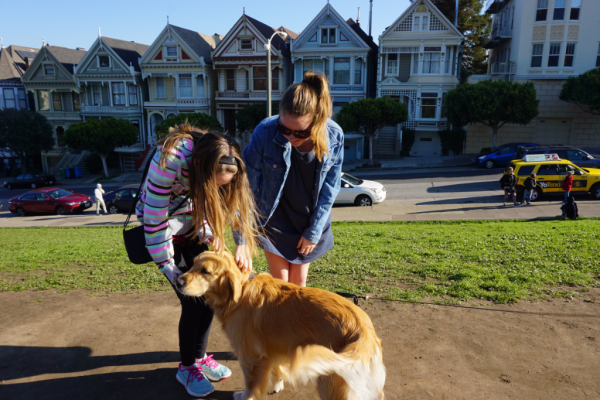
283 331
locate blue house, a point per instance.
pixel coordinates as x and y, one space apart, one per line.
347 56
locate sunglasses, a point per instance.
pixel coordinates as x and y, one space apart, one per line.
298 134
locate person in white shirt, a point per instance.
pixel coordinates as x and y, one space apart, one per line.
99 200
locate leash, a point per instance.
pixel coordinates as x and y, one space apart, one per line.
356 297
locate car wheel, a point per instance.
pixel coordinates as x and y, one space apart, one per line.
21 212
489 164
60 210
33 186
363 201
112 209
9 187
596 191
536 194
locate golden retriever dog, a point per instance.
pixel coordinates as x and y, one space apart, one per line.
283 332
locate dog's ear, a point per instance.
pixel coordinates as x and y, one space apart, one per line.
235 284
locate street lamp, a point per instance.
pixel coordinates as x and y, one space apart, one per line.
282 35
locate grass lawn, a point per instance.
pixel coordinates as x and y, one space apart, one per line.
501 261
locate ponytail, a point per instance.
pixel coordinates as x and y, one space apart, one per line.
311 96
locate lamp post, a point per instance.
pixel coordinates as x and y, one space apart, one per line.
282 35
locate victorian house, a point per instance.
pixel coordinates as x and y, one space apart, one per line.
543 42
179 75
419 62
240 61
56 96
346 55
110 80
14 61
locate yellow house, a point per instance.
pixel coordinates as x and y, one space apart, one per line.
178 70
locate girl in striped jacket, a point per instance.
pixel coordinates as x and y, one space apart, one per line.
196 186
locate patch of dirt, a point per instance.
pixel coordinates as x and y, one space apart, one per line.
75 345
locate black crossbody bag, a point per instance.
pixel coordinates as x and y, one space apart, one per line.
135 238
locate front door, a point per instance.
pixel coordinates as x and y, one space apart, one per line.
44 203
229 121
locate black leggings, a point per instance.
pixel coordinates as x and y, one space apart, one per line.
196 316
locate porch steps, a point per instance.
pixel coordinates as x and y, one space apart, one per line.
387 141
147 157
72 160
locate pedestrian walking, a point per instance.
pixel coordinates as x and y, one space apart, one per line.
529 185
196 183
98 192
294 163
567 184
508 183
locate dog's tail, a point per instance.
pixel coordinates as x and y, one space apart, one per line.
312 361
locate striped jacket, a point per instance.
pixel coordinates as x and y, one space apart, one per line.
162 192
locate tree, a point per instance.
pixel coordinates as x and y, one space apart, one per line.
25 133
493 104
198 120
368 116
101 136
475 26
583 91
251 115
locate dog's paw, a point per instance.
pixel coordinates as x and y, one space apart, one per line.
278 387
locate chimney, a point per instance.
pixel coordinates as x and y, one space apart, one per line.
370 17
217 39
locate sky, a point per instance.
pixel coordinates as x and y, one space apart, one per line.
70 23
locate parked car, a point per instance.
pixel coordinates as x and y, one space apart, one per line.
573 154
359 192
121 200
51 200
501 155
30 181
549 176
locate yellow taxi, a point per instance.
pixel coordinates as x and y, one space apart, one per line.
550 174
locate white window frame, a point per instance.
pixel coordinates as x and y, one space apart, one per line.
431 62
359 70
97 103
564 10
109 61
265 78
428 96
390 67
191 86
416 23
577 7
306 62
540 55
171 47
329 29
60 98
114 93
53 69
242 44
157 87
37 95
227 80
550 54
541 5
132 91
349 69
14 100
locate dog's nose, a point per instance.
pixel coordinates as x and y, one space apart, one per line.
180 282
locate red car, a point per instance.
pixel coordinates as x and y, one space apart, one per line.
51 200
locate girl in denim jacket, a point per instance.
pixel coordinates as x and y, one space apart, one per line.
294 165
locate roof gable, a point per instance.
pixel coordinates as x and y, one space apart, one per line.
63 58
328 16
438 22
198 46
124 56
8 71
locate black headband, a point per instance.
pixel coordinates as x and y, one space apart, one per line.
229 160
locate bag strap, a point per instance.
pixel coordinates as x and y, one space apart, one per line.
137 196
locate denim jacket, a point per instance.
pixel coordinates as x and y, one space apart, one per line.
268 160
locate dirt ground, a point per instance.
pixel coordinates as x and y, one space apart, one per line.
80 346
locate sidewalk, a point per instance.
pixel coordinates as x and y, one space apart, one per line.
391 210
411 163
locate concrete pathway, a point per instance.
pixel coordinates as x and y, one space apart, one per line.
392 210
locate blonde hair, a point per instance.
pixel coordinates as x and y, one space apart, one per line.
229 204
508 170
310 96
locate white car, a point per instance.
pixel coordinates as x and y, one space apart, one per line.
359 192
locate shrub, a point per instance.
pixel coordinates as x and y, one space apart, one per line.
408 139
93 162
199 120
452 141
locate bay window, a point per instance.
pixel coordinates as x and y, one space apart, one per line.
392 64
97 95
358 71
259 78
415 63
185 86
9 98
230 80
200 87
161 89
118 92
428 105
76 102
57 101
341 71
307 65
43 100
275 79
132 90
431 63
